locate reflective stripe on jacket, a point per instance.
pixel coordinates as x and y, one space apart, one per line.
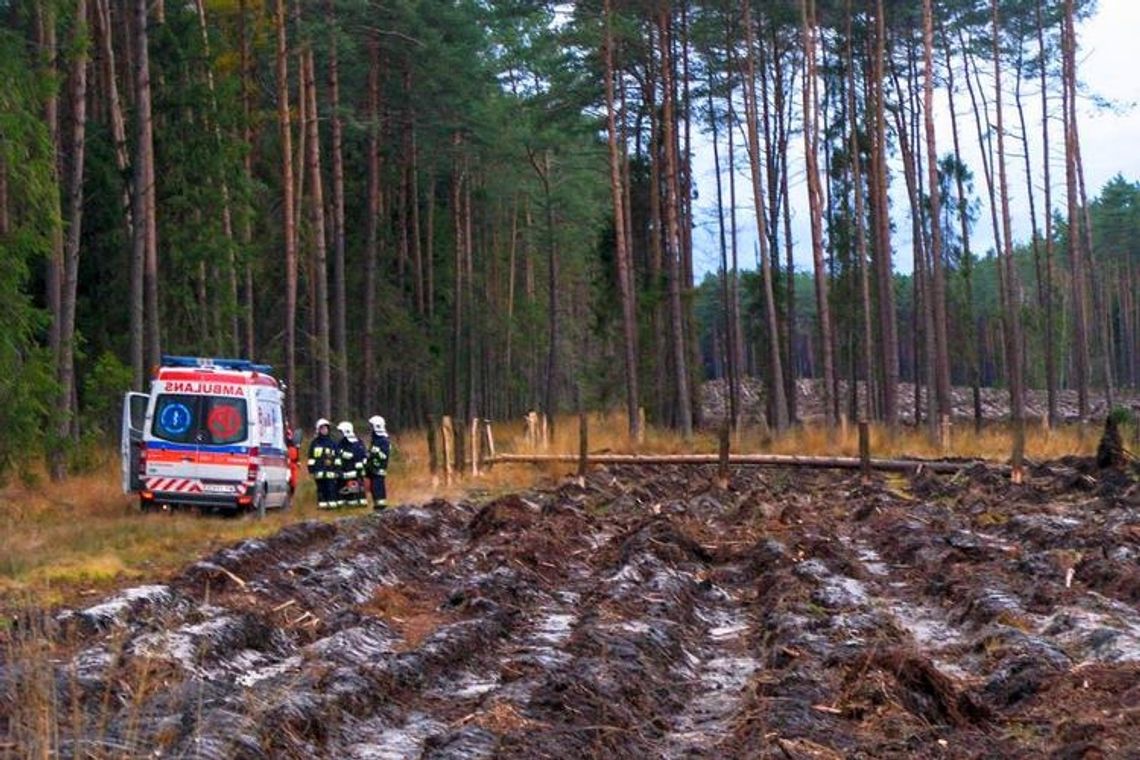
323 460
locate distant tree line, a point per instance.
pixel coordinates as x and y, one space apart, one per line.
423 207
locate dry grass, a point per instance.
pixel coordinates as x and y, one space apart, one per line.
60 542
993 442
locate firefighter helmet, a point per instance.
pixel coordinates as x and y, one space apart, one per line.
345 428
322 422
378 426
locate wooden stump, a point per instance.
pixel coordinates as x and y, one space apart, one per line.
865 450
476 453
583 445
722 466
447 431
1017 460
489 444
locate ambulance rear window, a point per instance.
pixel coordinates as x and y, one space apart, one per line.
176 418
209 420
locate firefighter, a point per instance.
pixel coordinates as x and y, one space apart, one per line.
378 450
352 456
324 466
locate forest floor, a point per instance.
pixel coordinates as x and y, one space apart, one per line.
639 612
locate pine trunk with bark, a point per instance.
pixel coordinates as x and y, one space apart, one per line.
288 225
1010 287
938 282
751 116
622 253
320 251
888 326
372 226
340 290
815 208
673 242
75 155
1076 264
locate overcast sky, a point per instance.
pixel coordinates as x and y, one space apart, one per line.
1110 144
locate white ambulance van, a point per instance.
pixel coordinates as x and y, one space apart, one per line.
211 434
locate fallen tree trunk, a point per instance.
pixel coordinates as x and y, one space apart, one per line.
755 460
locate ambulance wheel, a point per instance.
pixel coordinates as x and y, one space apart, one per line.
258 506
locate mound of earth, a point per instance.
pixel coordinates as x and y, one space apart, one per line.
642 612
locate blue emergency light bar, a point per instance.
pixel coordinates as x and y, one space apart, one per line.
203 362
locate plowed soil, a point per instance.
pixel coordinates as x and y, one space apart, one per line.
637 613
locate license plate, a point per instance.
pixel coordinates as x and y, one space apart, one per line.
217 488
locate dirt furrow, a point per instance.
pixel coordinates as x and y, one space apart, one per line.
644 612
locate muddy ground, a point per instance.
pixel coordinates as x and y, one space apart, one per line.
642 613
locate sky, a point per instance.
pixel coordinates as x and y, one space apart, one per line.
1110 145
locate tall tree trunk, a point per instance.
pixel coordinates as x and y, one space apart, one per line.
1077 268
429 245
889 345
246 62
906 120
146 230
289 226
624 277
738 329
551 395
76 153
673 242
780 201
414 192
340 291
815 206
683 161
775 362
866 353
732 370
372 224
1100 303
1013 321
320 257
656 233
1050 320
941 344
49 51
457 397
970 322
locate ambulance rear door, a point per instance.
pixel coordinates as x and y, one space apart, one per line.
224 440
131 437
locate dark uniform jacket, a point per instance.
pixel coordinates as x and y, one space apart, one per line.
378 450
352 456
323 461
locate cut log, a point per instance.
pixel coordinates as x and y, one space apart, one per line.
755 460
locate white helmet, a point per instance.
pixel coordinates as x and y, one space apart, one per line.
346 429
377 423
322 422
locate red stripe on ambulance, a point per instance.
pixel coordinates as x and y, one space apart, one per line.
173 485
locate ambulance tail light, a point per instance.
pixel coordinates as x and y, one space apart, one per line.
254 463
142 457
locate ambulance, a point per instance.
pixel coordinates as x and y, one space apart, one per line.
210 434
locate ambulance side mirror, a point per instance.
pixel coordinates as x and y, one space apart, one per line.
296 439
